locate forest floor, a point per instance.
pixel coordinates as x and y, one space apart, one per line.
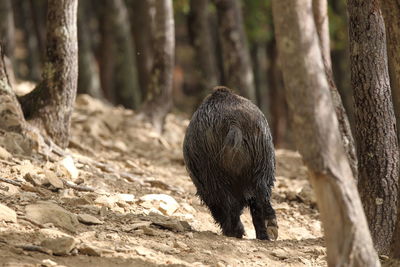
126 200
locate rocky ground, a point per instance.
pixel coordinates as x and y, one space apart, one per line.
122 197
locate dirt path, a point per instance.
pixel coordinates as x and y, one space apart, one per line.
116 154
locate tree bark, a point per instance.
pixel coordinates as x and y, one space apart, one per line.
317 136
377 145
50 105
202 42
391 14
320 11
142 24
236 56
125 80
159 96
88 76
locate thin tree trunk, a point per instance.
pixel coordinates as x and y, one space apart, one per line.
159 96
88 76
317 136
278 105
377 145
126 84
142 24
236 56
391 14
7 28
259 59
50 105
320 11
106 56
202 42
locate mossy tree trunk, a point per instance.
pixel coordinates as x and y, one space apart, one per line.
50 105
236 56
317 136
375 131
159 95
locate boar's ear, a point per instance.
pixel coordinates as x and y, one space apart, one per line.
222 89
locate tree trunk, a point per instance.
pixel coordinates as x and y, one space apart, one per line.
317 136
278 105
142 24
391 14
50 105
236 57
258 53
159 96
125 81
320 11
202 42
7 28
377 145
106 50
88 76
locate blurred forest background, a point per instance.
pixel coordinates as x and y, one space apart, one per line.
116 57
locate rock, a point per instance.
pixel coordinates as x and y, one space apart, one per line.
10 190
46 212
188 208
88 219
120 146
60 245
164 203
89 250
4 154
48 262
128 198
7 214
307 195
181 245
54 180
52 233
77 201
168 223
107 201
142 251
35 179
280 254
68 165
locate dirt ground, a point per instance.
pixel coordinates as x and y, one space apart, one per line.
133 181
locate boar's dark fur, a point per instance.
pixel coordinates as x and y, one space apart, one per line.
229 154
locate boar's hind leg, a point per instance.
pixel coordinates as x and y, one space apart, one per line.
228 217
261 213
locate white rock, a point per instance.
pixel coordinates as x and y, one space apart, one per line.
48 262
4 154
107 201
7 214
128 198
68 164
47 212
164 203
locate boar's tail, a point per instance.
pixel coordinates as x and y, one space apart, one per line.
233 139
234 156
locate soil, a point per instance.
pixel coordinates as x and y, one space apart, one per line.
117 153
